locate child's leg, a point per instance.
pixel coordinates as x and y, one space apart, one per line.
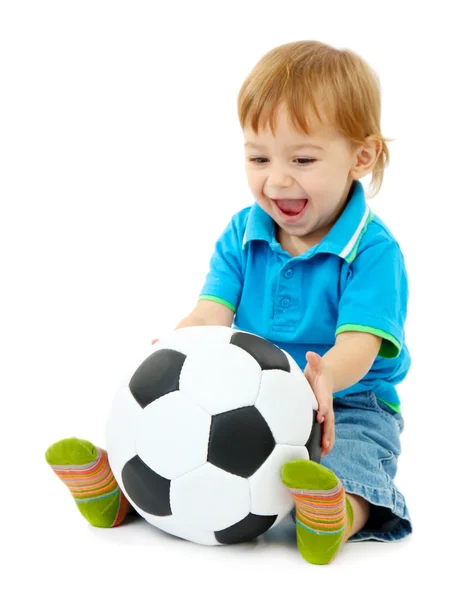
85 470
325 516
361 509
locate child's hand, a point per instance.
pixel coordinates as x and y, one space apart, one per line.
321 381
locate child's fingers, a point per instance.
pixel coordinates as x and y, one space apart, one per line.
328 434
324 410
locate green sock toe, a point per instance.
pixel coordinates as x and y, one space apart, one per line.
86 472
71 451
322 509
306 474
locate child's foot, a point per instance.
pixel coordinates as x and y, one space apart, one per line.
323 513
85 470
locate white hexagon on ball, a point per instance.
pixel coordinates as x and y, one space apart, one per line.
221 379
173 450
210 497
286 401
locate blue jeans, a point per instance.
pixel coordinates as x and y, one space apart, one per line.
364 458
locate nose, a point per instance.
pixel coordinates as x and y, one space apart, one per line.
278 178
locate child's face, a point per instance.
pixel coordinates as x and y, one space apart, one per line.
277 171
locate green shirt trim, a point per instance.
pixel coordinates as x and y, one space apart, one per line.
390 347
395 407
219 300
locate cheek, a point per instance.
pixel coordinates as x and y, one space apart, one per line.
324 186
255 183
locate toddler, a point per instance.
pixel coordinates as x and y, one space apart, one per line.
309 267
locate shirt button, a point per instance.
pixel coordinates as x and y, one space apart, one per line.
285 302
288 273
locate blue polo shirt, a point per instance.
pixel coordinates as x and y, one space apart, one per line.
353 280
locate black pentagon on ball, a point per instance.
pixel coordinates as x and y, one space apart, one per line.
313 444
148 490
240 441
158 375
267 354
246 530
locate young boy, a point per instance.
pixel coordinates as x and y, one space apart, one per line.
310 268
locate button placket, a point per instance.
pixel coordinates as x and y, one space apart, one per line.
283 300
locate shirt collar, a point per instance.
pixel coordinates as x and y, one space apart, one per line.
342 240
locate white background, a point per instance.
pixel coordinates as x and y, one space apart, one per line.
120 163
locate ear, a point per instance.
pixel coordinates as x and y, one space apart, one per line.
366 157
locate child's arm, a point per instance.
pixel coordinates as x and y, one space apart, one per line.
351 358
346 363
208 312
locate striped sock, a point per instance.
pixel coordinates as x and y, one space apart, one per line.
323 513
85 471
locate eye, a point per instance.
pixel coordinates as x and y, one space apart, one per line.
309 161
255 160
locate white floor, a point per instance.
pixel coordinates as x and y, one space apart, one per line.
53 553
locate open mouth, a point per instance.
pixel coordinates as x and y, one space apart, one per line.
291 209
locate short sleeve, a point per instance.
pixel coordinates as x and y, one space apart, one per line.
375 297
224 281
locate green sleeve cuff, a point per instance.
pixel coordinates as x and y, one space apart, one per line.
219 300
390 347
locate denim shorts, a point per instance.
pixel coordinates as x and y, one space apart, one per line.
364 458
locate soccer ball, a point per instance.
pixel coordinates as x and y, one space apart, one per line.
198 435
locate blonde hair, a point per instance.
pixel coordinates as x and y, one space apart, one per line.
308 74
